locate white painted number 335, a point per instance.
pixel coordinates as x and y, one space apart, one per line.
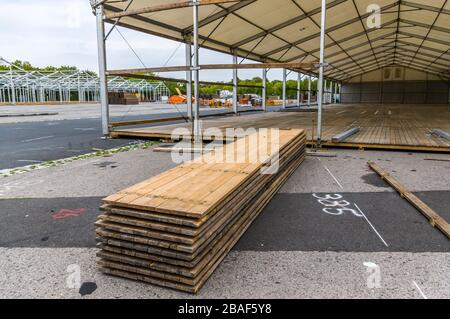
336 205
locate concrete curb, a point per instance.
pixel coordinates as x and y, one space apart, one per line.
28 114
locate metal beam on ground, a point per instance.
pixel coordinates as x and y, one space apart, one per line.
345 135
441 133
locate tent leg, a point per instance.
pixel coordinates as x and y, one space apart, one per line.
309 90
284 88
235 85
190 111
196 74
102 70
264 90
321 71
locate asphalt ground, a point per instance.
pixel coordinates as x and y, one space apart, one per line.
291 222
36 141
297 248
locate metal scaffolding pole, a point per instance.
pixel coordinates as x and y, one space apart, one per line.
196 74
331 92
299 89
335 92
13 89
284 88
102 69
235 84
321 71
264 90
309 90
189 78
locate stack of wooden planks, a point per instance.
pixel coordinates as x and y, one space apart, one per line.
174 230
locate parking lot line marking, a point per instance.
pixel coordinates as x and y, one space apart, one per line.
37 139
334 177
420 290
371 225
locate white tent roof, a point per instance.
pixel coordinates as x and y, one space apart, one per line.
413 33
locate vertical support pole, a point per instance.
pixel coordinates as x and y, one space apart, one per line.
79 89
309 90
331 93
321 71
102 70
60 94
13 89
284 88
235 85
335 93
190 111
264 90
299 89
196 73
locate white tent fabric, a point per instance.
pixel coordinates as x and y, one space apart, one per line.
413 33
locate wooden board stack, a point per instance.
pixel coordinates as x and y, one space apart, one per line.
123 98
173 230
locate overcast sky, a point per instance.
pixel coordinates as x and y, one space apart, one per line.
63 32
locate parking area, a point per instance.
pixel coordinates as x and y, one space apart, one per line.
299 247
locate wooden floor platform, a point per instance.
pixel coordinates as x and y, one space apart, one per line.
398 127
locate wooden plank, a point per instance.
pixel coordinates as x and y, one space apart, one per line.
441 133
345 135
438 159
159 198
435 219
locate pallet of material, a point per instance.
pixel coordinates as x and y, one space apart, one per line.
123 98
174 230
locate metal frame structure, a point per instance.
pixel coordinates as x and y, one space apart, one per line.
21 86
412 33
190 37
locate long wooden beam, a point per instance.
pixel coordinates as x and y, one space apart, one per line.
159 78
164 7
435 220
149 77
216 67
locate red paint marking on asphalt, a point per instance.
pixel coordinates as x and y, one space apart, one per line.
66 213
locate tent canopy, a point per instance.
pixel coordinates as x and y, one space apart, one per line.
413 33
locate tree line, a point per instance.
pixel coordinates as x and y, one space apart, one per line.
274 88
